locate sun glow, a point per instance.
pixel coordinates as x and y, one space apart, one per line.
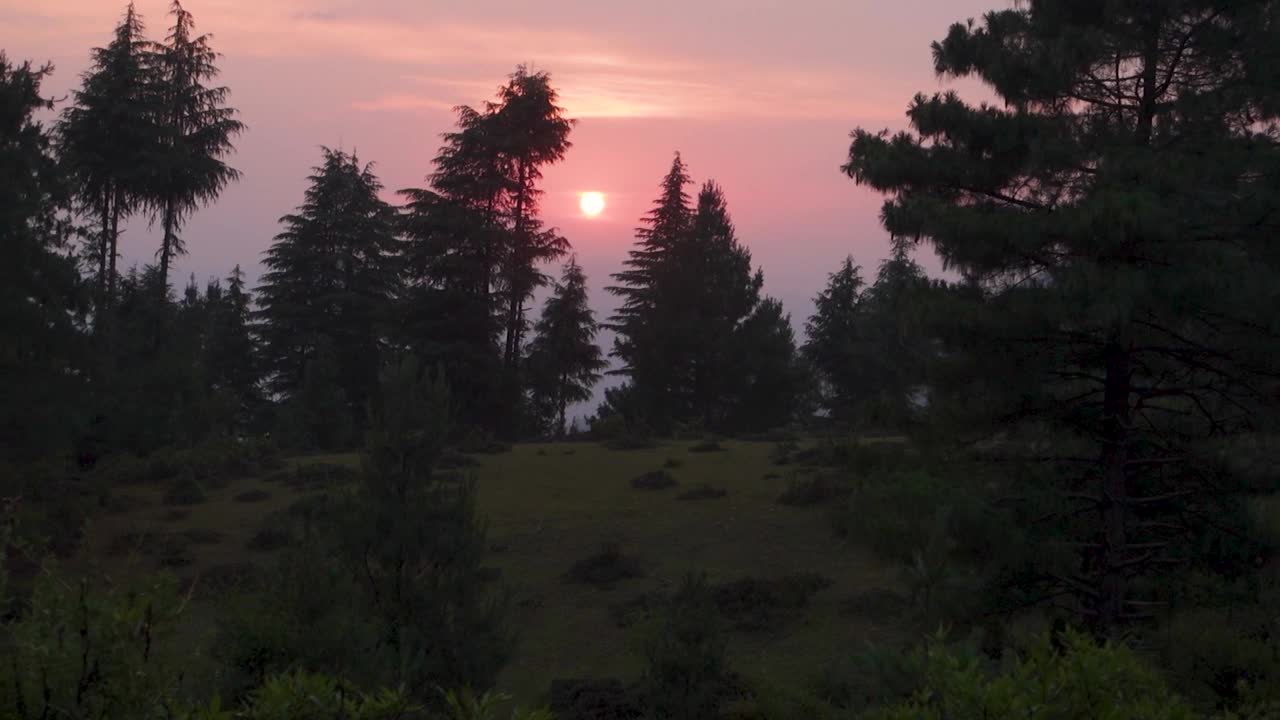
592 203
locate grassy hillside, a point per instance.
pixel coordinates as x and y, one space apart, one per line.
550 506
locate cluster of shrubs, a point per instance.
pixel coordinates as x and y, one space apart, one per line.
605 568
654 480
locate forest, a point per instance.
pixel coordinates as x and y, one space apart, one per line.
411 472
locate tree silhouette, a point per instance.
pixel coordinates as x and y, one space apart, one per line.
196 131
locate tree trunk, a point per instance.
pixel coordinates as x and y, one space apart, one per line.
1115 491
561 400
113 239
166 248
515 292
103 244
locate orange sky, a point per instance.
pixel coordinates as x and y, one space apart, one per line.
757 94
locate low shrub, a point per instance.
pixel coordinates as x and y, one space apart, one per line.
875 604
654 480
752 604
815 489
630 442
784 452
269 538
637 609
121 503
452 459
175 514
252 496
321 475
229 576
704 491
594 699
605 568
673 463
203 536
184 490
706 447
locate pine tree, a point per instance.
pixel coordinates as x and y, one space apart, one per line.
688 290
1113 222
230 351
564 360
108 139
531 133
40 301
713 281
454 233
331 277
635 323
196 131
832 339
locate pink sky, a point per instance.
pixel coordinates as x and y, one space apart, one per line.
757 94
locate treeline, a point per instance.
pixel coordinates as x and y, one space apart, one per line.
352 281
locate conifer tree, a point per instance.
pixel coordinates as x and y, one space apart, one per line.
196 130
454 233
331 276
1112 219
531 133
230 350
40 343
108 139
832 338
636 322
564 360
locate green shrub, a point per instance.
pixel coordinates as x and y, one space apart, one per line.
306 696
752 604
815 489
654 480
252 496
1078 683
686 674
605 568
704 491
184 490
272 536
706 447
673 464
594 699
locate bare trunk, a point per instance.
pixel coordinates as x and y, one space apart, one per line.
1115 490
564 382
515 300
166 248
103 244
113 239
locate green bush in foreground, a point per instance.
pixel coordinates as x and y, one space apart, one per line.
1082 681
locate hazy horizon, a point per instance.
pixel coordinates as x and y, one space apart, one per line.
760 96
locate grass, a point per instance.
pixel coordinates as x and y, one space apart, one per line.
548 506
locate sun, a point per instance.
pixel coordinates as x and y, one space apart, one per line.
592 203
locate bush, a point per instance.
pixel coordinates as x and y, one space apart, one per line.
704 491
638 609
270 537
784 452
686 670
605 568
654 480
1076 678
631 442
252 496
594 699
705 447
751 604
877 604
452 460
673 464
321 475
184 490
815 489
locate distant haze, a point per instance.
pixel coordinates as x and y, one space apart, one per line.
757 94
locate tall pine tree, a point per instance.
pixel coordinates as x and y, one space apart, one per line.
196 131
564 360
108 140
331 277
1114 219
40 299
